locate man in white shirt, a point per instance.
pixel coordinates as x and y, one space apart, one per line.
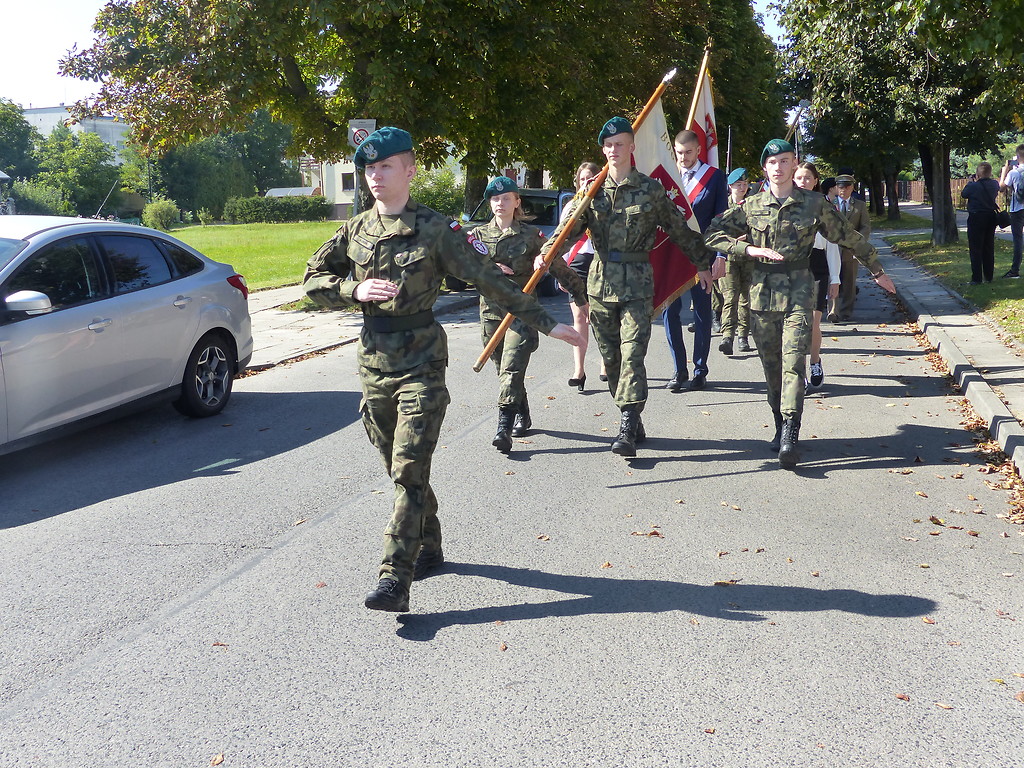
1011 180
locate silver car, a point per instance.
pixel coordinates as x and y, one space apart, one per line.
96 316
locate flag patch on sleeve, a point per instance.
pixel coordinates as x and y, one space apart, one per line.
455 226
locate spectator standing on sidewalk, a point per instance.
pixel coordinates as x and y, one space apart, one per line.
980 195
1011 181
855 211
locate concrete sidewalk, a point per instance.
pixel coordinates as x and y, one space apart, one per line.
988 367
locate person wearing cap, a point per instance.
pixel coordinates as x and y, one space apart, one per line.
738 274
775 229
623 219
390 261
855 211
512 246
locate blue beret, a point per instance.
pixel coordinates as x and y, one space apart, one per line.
614 127
500 186
775 147
382 144
737 175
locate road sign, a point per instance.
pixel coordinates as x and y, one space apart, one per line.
358 130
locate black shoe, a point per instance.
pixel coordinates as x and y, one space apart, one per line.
833 317
789 450
427 562
388 596
776 441
579 383
502 438
743 345
716 325
675 384
1012 275
523 422
625 443
725 347
692 327
699 382
603 376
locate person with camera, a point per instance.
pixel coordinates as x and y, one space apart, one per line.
1011 181
980 195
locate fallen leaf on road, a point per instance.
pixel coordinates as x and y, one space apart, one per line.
953 643
1018 674
971 498
958 476
736 508
723 552
217 759
908 538
680 501
551 397
1020 697
998 680
599 414
925 565
759 550
941 477
942 705
815 573
502 647
727 582
544 537
219 644
922 494
499 622
927 619
510 472
606 565
902 697
789 559
709 730
934 533
320 584
1004 615
300 521
1008 575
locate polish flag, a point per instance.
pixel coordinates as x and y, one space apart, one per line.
655 157
704 124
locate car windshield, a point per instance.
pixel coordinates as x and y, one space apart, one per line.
539 210
9 249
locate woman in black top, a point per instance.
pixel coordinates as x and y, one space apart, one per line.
981 223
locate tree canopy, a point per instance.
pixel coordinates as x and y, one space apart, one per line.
490 81
17 141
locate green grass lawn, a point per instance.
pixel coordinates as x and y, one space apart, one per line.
267 255
905 221
1001 299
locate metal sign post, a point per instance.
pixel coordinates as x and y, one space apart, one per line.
358 130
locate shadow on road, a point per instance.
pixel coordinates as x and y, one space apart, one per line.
602 595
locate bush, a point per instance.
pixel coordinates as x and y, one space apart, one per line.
273 210
205 217
437 189
39 198
161 214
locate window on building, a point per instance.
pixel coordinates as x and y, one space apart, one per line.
348 182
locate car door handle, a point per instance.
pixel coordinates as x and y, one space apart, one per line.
99 325
182 301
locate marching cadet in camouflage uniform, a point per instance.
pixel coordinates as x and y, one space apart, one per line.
513 246
622 221
390 261
738 274
777 227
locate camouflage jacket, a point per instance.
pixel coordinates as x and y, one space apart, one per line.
516 248
416 253
623 220
789 228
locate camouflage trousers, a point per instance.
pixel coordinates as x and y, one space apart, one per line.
623 330
402 414
783 340
717 298
736 297
510 357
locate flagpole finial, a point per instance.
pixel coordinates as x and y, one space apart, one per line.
669 75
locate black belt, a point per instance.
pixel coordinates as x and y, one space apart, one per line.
628 257
783 266
395 323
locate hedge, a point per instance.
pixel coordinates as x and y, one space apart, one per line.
270 210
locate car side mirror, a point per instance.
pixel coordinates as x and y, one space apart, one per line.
29 302
465 217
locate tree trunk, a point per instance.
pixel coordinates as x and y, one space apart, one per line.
893 193
925 151
476 180
875 184
944 229
535 178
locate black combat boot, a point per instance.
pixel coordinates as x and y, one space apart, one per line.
625 443
789 450
427 562
388 596
523 421
725 347
502 439
777 440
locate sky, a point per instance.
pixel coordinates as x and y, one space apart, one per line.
36 34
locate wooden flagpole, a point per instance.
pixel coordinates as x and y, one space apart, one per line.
566 227
700 83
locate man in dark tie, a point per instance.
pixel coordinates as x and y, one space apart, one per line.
856 213
708 194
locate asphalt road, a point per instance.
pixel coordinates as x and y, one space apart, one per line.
163 604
